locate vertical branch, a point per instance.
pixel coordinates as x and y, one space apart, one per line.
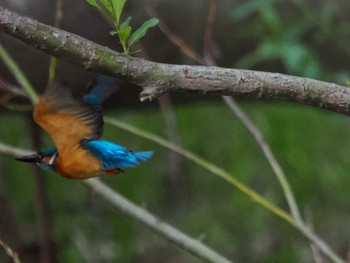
57 22
208 35
47 245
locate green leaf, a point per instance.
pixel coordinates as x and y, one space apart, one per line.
117 6
92 2
141 32
124 30
108 5
105 10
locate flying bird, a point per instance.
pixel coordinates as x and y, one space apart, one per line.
75 127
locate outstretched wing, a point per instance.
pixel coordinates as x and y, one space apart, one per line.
100 89
67 120
114 155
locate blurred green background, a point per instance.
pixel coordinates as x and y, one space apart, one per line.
304 38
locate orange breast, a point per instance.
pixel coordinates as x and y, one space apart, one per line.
77 163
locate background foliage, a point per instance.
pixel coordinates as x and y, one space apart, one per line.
304 38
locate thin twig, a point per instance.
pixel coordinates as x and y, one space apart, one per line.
13 89
277 169
57 22
298 222
17 73
208 35
256 197
317 254
9 251
158 226
323 246
191 245
13 151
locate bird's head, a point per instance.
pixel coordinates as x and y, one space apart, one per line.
45 159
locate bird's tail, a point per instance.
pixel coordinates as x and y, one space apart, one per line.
143 156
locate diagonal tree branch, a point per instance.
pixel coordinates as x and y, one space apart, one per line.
9 251
158 78
189 244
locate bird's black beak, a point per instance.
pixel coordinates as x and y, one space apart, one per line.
33 158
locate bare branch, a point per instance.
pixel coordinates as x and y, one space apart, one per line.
10 252
191 245
158 78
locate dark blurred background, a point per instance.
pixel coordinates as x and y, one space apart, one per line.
309 38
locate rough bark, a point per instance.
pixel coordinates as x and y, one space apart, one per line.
158 78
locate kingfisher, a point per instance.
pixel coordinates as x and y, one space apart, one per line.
75 127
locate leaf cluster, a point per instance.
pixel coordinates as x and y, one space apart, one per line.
293 40
127 37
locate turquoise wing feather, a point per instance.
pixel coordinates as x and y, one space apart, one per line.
114 155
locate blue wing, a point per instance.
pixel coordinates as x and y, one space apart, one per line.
114 155
100 90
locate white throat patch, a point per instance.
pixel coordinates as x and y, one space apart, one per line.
53 159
